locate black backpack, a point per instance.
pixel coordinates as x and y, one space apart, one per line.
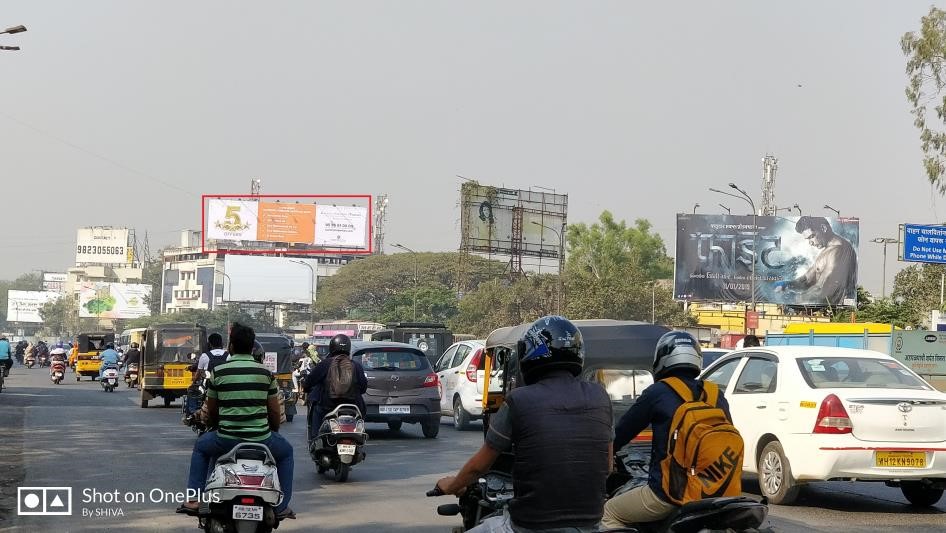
216 360
340 381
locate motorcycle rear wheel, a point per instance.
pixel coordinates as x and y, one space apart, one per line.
341 472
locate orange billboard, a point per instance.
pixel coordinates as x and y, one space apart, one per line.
279 222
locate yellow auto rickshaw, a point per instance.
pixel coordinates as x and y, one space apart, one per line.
85 353
168 352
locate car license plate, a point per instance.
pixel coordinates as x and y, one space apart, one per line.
346 449
900 459
248 512
394 409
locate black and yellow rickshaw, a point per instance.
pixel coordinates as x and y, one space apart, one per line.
86 352
278 359
167 353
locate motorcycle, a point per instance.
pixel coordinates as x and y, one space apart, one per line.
131 375
110 378
242 492
193 401
43 360
340 443
486 498
30 361
57 370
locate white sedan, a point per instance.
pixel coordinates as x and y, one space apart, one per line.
812 413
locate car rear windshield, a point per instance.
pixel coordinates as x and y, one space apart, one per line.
393 360
856 372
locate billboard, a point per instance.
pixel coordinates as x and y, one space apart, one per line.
113 300
798 260
255 223
923 243
491 218
54 281
923 352
24 306
253 278
103 245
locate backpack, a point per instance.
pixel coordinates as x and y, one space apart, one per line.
340 381
705 450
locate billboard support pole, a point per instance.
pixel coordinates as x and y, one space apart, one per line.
311 294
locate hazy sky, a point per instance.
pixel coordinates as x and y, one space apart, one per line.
124 112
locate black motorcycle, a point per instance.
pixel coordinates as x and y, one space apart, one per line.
486 498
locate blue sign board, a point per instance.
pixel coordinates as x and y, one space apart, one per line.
923 244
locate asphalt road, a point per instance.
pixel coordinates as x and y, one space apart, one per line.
76 435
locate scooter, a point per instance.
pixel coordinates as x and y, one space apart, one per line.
57 370
242 492
131 375
110 378
43 360
30 361
341 442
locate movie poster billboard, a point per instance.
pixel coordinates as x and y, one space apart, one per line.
804 260
113 300
24 306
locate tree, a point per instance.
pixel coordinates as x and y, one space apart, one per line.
884 311
152 272
607 247
497 303
926 70
214 320
917 287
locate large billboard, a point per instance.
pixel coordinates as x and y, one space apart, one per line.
301 222
113 300
923 243
510 221
253 278
54 281
798 260
24 306
103 245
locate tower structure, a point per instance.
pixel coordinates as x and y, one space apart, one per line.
769 169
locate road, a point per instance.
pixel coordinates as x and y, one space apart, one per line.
76 435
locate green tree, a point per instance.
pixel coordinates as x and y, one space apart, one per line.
884 311
496 303
917 288
152 272
926 71
214 320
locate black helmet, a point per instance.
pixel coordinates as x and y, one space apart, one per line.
677 349
552 343
340 343
258 352
134 345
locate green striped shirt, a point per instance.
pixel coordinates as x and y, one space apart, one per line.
242 388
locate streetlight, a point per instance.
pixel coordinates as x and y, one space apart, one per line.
694 208
798 208
885 241
728 210
9 47
405 248
561 260
745 196
311 291
15 29
826 206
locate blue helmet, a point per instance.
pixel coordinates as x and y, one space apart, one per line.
552 343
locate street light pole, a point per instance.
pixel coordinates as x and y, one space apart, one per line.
826 206
311 294
798 208
745 196
728 210
561 261
885 241
14 29
405 248
694 208
229 294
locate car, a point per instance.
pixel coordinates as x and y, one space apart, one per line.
813 413
457 370
402 386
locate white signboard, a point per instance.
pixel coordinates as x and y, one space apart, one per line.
103 245
24 306
342 226
269 361
232 220
54 281
254 278
113 300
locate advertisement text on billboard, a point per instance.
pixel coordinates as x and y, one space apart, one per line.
923 243
24 306
113 300
798 261
103 245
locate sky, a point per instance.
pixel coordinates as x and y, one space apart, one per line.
123 113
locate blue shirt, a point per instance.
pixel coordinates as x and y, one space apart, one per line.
109 357
5 350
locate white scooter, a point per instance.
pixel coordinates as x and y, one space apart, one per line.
242 492
110 378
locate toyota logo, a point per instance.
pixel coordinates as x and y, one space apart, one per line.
904 407
395 377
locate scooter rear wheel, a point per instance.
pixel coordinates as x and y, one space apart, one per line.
341 472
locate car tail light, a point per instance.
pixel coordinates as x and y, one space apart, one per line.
474 365
247 501
431 380
832 418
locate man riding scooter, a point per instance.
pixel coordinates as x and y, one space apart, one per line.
6 355
109 358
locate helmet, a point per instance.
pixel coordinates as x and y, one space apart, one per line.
677 349
258 352
552 343
134 345
339 344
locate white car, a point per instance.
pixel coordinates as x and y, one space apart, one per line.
812 413
459 395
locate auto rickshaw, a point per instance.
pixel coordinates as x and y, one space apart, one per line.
85 354
167 353
278 357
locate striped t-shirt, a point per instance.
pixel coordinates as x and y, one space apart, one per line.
242 388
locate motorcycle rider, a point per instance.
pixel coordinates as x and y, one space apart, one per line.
314 384
558 428
108 357
42 350
208 361
20 351
243 403
132 356
6 355
678 354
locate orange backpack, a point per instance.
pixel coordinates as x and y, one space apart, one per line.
705 451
